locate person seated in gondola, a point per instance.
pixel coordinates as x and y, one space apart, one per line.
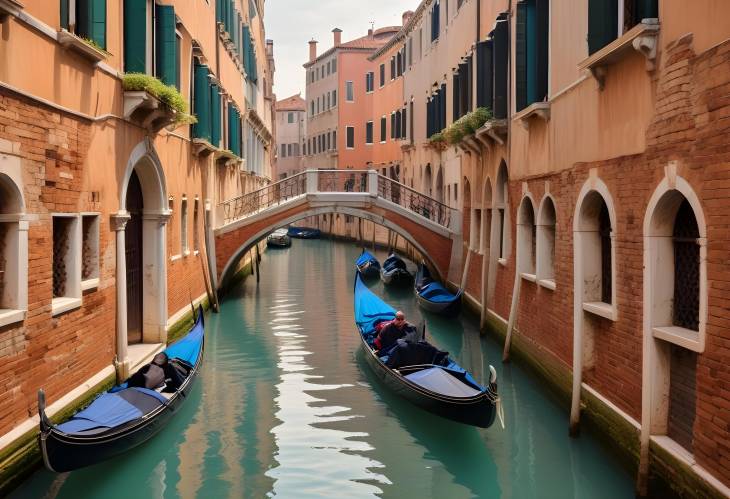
157 374
391 331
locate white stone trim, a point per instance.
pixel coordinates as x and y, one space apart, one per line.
547 284
546 234
64 304
10 316
90 284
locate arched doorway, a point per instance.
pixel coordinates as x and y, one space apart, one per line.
133 254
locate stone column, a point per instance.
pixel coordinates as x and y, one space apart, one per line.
121 362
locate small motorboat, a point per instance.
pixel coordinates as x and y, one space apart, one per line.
394 271
367 265
433 296
278 239
304 232
122 417
438 384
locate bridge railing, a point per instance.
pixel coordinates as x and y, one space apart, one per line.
338 181
415 201
271 195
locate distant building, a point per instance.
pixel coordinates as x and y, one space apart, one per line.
291 133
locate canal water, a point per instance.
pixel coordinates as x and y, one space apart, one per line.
286 406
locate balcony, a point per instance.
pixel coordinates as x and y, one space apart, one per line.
147 110
9 8
642 38
535 110
201 147
82 47
493 132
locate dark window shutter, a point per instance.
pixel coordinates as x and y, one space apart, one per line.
531 45
521 56
382 75
543 49
201 103
484 74
602 23
135 36
646 9
464 81
165 44
442 100
383 124
215 115
392 125
404 123
456 98
219 12
97 31
397 125
64 14
500 63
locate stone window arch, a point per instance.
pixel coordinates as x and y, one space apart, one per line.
675 310
546 222
526 238
501 207
13 244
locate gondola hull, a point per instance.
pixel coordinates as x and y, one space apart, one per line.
304 233
63 451
451 307
396 277
475 411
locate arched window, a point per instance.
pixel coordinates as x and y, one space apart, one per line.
526 239
466 214
501 204
184 226
485 243
594 237
546 243
685 239
13 248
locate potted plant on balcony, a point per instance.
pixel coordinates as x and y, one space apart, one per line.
154 104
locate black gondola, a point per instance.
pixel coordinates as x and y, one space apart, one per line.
433 296
441 387
122 417
367 265
394 271
304 232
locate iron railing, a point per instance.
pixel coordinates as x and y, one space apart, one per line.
271 195
340 181
414 201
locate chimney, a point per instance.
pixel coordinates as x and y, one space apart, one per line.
370 33
337 38
312 49
406 17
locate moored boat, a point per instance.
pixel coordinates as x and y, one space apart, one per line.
394 271
304 232
433 296
278 239
124 416
367 265
440 386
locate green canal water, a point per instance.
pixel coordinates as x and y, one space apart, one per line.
286 406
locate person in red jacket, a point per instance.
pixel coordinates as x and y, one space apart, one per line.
391 331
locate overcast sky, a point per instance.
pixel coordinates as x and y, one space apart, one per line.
292 23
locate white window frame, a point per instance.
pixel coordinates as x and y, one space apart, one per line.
90 239
72 296
546 236
349 91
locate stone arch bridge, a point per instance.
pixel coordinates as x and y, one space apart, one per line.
430 226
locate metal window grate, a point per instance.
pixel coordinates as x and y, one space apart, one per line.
686 269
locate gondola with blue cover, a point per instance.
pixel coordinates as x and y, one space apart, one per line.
304 232
440 386
433 296
394 271
122 417
367 265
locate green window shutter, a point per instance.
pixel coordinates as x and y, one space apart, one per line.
602 23
219 11
543 48
232 143
646 9
252 8
166 44
500 53
135 36
229 17
531 53
98 22
521 56
64 14
246 50
485 94
215 115
456 98
201 103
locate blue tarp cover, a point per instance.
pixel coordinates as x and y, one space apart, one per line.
436 293
366 257
188 348
369 309
107 411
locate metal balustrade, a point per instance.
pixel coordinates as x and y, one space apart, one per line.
312 182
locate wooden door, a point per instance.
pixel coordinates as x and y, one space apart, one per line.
133 240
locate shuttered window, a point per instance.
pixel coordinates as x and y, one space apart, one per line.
383 131
602 23
166 44
135 36
382 75
456 98
485 92
392 125
404 123
531 52
500 64
90 18
350 136
435 20
369 132
234 130
397 125
201 103
215 115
